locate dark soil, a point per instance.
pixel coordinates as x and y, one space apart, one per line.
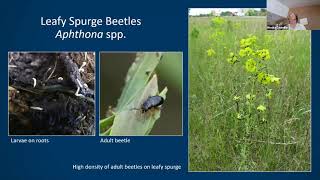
43 98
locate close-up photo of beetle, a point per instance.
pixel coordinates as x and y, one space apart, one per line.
140 93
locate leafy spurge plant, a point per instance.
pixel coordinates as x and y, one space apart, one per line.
253 106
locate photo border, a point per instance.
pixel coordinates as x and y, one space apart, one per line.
310 128
95 98
182 108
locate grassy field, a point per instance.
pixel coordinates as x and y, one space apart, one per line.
228 133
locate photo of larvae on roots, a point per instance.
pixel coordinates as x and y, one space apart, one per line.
141 93
51 93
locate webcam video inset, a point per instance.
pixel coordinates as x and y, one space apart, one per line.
293 14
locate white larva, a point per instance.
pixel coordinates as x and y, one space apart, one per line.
81 67
36 108
34 82
79 83
77 93
12 66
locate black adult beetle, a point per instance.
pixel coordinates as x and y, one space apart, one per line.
152 102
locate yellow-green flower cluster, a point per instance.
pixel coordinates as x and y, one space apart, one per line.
251 65
269 94
254 64
218 21
211 52
246 52
251 40
267 79
250 97
261 108
263 54
239 116
232 59
236 98
217 34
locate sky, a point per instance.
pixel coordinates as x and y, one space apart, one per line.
198 11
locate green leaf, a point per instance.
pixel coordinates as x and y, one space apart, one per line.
236 98
106 123
261 108
137 77
170 69
211 52
131 120
269 94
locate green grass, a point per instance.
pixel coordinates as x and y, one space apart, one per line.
217 140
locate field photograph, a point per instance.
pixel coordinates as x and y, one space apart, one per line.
249 93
